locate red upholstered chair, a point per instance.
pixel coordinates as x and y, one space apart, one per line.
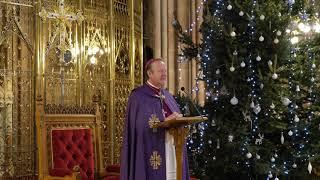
70 143
72 148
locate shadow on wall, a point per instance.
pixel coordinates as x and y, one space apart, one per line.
147 54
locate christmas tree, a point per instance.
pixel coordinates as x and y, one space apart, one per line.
259 63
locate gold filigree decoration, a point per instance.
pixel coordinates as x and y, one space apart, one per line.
100 6
123 62
121 7
13 25
43 14
122 89
153 122
137 65
74 109
155 160
16 122
62 14
68 125
96 49
63 18
123 59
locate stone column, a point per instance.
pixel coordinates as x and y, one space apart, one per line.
202 92
183 16
194 39
157 28
172 47
164 30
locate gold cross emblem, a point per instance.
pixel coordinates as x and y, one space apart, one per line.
155 160
153 122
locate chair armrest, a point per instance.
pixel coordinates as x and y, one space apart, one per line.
76 172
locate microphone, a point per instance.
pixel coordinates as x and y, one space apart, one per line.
190 96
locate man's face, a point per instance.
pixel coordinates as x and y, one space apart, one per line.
158 74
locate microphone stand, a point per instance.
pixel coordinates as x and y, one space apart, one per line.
190 96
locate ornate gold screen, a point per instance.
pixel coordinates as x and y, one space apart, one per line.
128 60
65 52
17 138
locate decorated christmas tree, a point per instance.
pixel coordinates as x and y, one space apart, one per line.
260 61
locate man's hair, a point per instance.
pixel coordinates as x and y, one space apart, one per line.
149 65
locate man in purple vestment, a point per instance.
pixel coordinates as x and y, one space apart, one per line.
147 152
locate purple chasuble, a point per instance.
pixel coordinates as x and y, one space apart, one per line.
143 148
166 109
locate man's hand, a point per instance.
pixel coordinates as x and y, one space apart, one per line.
174 115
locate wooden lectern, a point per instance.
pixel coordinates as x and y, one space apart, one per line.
179 130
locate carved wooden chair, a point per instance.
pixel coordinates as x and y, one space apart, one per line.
72 153
69 140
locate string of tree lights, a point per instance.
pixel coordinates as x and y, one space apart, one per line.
199 9
191 27
259 61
